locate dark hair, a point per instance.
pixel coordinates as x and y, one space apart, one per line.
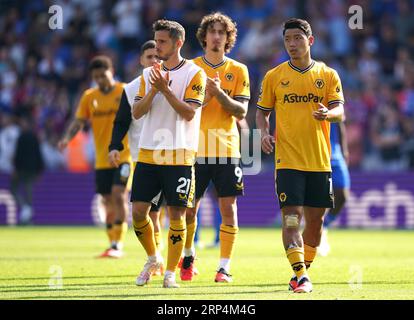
99 62
228 24
176 31
295 23
150 44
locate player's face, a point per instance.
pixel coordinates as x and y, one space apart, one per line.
297 44
103 78
216 37
149 57
164 45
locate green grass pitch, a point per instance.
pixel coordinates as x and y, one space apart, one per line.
362 265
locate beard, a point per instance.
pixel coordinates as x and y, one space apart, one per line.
215 48
167 55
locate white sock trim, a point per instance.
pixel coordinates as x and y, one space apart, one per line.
189 252
225 264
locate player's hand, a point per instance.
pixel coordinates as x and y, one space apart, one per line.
114 158
62 144
159 82
268 142
322 113
213 85
207 97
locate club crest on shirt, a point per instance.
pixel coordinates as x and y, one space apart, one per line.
229 76
319 83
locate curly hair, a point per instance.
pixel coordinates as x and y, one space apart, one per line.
229 25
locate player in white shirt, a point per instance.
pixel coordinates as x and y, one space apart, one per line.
170 97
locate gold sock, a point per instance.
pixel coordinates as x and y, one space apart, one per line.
176 238
110 232
120 230
310 253
145 234
157 239
296 259
191 229
228 235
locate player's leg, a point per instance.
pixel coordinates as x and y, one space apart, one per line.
341 182
318 197
179 190
27 196
228 181
119 195
312 232
187 265
145 187
290 187
103 185
155 215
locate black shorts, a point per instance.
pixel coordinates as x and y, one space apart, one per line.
226 175
106 178
177 184
304 188
157 202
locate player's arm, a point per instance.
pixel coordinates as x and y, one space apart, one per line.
263 124
77 124
143 105
236 107
185 109
121 125
74 127
265 105
334 112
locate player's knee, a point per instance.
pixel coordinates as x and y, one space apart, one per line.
190 216
139 213
291 220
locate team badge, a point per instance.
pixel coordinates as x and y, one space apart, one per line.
319 83
229 76
282 197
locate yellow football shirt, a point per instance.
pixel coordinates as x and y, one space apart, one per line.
100 110
302 142
219 136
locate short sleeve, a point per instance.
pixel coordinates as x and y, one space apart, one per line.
267 98
243 84
335 93
196 89
141 90
82 112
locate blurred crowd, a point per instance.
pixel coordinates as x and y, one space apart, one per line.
43 72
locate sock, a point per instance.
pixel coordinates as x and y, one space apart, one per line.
169 274
176 238
189 252
189 240
157 239
145 234
110 232
228 236
120 230
310 253
297 261
225 264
